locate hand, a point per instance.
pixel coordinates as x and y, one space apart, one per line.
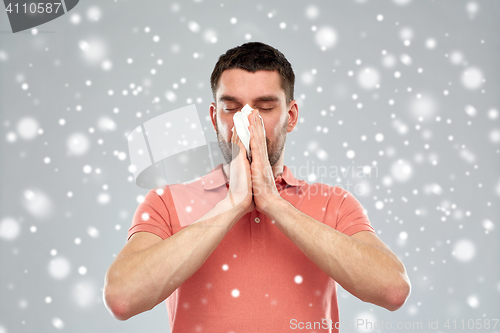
263 185
240 181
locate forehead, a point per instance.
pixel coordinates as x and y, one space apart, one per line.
242 83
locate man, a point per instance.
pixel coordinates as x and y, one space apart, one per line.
269 254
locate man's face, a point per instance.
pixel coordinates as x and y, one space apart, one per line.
261 90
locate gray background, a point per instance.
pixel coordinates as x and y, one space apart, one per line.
61 223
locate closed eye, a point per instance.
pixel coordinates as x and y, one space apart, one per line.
237 109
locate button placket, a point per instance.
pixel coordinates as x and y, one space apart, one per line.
257 232
257 227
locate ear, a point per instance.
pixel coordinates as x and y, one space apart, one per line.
293 115
213 115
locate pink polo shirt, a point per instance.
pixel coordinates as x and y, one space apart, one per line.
256 280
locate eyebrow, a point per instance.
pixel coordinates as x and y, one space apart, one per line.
267 98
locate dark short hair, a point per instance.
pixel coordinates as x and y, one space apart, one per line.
255 56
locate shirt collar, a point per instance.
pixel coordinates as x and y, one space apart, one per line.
217 178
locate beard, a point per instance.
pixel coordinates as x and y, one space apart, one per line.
274 149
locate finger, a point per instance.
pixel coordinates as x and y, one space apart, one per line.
259 125
241 160
235 148
254 115
233 136
251 118
254 145
241 146
258 133
253 125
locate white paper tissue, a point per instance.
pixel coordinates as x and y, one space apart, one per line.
241 123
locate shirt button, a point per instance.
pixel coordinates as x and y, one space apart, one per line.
257 220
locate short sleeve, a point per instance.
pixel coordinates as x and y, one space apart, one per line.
152 216
351 217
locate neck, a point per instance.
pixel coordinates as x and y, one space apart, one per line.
278 166
277 169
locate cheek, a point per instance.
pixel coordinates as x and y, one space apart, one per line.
276 129
225 127
275 125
